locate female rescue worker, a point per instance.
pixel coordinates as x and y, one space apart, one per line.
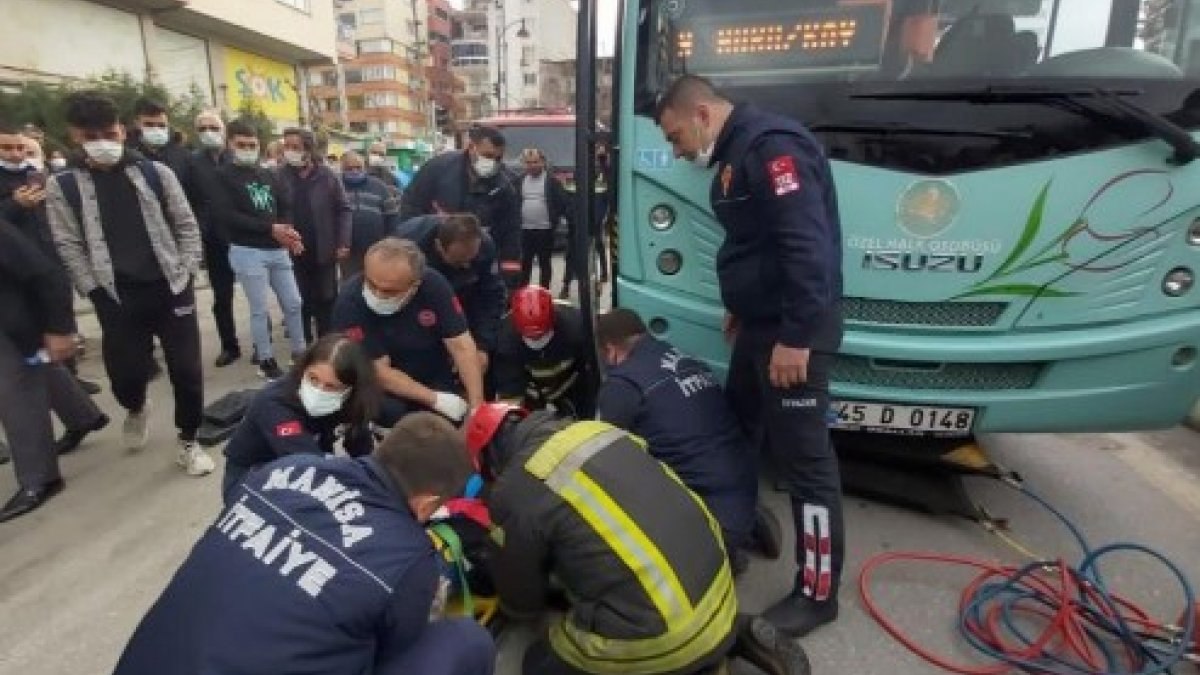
638 554
332 386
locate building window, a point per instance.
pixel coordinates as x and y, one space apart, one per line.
378 73
531 79
387 99
370 17
359 127
352 75
301 5
528 54
380 46
441 14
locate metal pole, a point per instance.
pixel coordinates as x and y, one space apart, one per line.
1050 29
585 182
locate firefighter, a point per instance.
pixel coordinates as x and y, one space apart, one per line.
638 555
540 355
780 275
675 404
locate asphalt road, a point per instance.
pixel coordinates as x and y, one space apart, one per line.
76 576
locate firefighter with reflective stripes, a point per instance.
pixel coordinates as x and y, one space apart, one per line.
540 355
638 555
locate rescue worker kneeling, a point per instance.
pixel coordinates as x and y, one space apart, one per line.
541 355
638 554
331 391
321 565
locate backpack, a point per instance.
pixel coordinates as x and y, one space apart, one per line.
69 184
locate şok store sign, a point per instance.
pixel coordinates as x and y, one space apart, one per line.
269 86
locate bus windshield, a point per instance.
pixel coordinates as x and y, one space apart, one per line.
901 40
912 84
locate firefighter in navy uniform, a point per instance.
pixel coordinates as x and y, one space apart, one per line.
330 392
780 275
540 356
456 246
321 565
639 556
674 403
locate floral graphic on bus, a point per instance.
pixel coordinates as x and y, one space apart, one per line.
1109 221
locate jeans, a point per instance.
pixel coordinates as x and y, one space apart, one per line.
260 269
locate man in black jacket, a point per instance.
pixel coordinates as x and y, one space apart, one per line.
456 246
36 336
473 181
199 181
152 138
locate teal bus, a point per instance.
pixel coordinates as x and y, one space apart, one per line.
1019 197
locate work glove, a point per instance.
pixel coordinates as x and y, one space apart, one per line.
452 406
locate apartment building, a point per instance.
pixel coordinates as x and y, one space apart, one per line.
379 85
498 48
445 86
231 53
557 82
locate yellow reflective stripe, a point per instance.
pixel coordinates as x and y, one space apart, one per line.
561 444
553 370
683 644
573 462
562 388
628 541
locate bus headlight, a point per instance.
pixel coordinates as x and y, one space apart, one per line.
670 262
1193 235
662 217
1177 282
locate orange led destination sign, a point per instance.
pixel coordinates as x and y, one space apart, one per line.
848 35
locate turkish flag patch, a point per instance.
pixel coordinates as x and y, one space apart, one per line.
288 429
354 333
427 318
784 178
457 304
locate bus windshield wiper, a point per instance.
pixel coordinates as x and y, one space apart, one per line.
908 130
1085 101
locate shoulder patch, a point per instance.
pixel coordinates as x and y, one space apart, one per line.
784 178
457 304
289 429
355 333
427 318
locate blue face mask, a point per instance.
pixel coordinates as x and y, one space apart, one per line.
354 177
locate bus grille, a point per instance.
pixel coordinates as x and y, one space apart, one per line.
895 313
911 375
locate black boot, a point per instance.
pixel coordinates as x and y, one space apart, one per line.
228 356
768 649
27 500
798 615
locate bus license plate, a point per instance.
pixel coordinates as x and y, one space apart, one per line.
889 418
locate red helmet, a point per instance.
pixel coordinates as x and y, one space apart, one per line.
532 311
483 424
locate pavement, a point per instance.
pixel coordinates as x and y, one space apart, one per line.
77 575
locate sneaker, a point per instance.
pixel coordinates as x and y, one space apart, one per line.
137 429
268 369
194 460
72 438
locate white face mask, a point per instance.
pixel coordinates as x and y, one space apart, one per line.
37 164
538 344
58 163
386 306
320 403
245 157
486 167
212 140
104 152
269 164
294 157
155 137
12 166
377 160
